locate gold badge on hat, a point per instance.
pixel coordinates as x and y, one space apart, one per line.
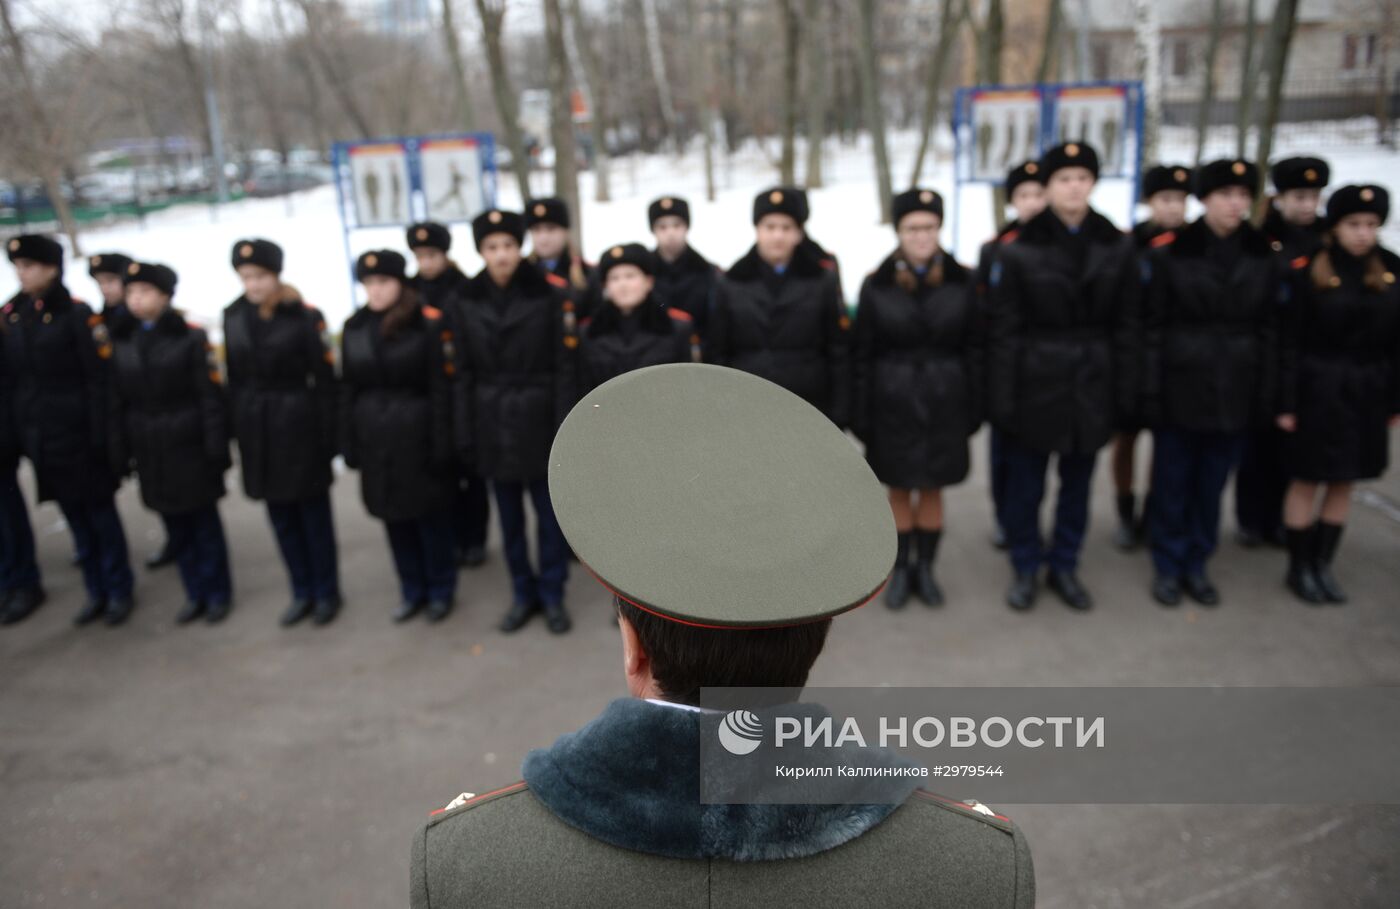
1367 194
1179 175
1072 150
776 197
1310 175
95 261
1388 277
615 252
371 260
1237 168
494 217
14 245
422 233
246 250
926 197
540 210
1032 167
667 203
133 268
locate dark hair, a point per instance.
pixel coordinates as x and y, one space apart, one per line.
685 658
1324 272
396 316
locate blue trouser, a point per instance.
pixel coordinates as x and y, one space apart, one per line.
1261 482
422 550
201 553
1189 473
306 537
101 544
471 511
18 568
1025 490
546 588
996 464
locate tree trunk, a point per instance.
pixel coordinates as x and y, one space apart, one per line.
1247 76
1383 76
339 85
1049 50
465 115
989 43
874 114
1208 82
492 21
50 166
598 98
561 120
1275 65
1147 58
817 56
949 21
705 95
652 27
792 41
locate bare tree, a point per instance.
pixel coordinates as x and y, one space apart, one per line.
1208 81
50 169
1247 77
705 96
1275 66
493 15
816 56
595 85
652 28
319 22
561 119
792 42
989 32
874 114
1049 50
949 21
459 66
1147 59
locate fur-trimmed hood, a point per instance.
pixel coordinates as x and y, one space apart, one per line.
631 777
884 275
651 316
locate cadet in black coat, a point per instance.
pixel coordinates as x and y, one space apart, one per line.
281 382
1295 232
518 380
170 424
1339 383
778 312
685 280
397 365
56 365
918 381
441 284
1211 317
1025 193
20 588
1164 189
632 328
1062 345
551 251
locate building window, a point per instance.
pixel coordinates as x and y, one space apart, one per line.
1181 58
1359 51
1099 56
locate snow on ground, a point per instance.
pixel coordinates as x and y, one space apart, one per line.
196 240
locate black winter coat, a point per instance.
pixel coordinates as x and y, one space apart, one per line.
56 370
169 417
442 291
517 376
396 412
1295 244
1063 338
918 376
9 432
1209 331
792 330
612 344
687 284
1340 372
282 388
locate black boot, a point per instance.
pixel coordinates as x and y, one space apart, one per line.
214 613
556 619
326 610
301 608
1126 536
1301 577
897 590
520 613
407 610
1021 594
439 610
926 549
1065 584
160 558
1326 538
193 610
92 610
119 609
21 603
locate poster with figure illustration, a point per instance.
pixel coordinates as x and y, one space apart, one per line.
1097 115
453 189
1005 131
381 189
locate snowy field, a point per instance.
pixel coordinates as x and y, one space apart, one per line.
196 240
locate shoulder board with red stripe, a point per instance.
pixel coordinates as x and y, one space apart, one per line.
431 312
554 279
469 800
191 323
1300 262
970 808
1009 237
93 320
680 315
1165 238
829 264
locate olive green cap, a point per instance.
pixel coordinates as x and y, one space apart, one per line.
711 497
